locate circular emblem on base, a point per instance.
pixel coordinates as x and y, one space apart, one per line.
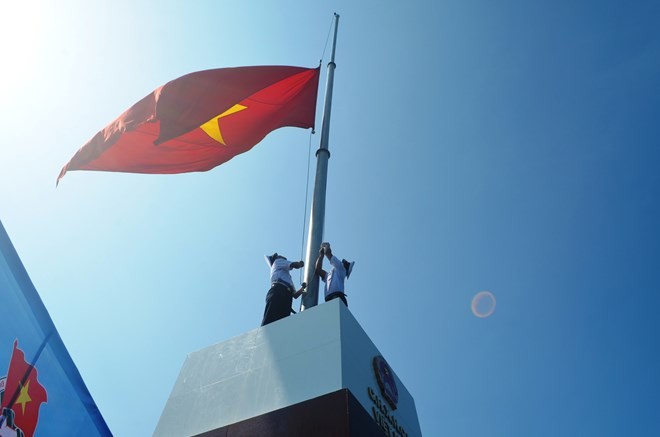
386 381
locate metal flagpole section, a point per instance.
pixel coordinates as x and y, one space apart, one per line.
317 215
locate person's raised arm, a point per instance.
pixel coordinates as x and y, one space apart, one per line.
328 253
296 265
318 268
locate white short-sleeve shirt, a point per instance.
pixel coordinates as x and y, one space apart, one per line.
334 279
280 271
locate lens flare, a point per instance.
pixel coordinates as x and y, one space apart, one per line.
483 304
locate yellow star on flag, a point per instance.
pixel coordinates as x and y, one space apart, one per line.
212 127
24 396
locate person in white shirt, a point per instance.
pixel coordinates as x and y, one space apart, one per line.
334 279
282 291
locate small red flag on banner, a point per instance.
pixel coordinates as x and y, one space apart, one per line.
201 120
24 390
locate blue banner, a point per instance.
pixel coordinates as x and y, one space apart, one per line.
41 390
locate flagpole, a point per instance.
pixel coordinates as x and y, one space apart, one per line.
317 214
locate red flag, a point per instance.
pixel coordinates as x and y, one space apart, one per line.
23 393
201 120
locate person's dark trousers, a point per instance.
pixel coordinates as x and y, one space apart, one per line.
335 295
278 303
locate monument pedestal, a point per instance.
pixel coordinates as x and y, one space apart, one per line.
315 373
336 414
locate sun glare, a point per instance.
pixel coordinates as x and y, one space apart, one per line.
483 304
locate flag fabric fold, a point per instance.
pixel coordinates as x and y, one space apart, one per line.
42 393
201 120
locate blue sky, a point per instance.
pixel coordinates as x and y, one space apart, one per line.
505 146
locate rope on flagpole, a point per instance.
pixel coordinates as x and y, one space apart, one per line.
309 157
302 244
327 39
